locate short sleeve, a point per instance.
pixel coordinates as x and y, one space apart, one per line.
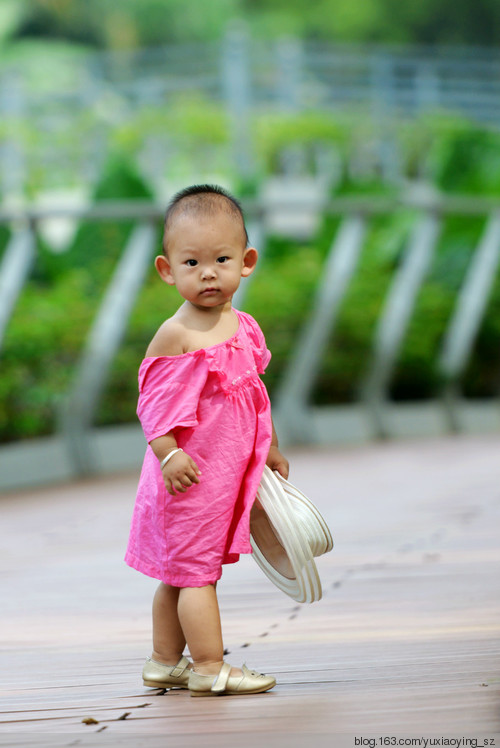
261 353
169 392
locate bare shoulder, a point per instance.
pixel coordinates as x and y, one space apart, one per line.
169 340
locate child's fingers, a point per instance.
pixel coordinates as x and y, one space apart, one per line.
282 469
277 461
188 479
180 473
169 487
181 482
177 487
195 467
184 464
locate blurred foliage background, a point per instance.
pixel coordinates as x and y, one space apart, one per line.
47 45
141 23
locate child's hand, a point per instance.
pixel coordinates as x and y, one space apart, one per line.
180 472
276 461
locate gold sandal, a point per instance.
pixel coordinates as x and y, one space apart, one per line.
157 675
229 685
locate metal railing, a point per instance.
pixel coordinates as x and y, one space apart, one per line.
292 405
242 76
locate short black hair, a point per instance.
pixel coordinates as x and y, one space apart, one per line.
206 199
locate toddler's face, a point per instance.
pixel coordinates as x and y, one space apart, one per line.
206 258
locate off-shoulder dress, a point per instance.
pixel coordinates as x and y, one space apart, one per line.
219 411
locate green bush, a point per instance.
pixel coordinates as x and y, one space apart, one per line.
41 347
55 311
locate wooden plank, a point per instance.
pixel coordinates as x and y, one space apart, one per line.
405 640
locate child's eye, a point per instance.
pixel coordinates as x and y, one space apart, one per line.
191 263
222 259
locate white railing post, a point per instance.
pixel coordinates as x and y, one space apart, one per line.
396 315
14 272
103 342
237 93
469 311
298 379
289 62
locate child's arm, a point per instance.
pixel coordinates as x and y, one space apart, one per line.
181 471
275 460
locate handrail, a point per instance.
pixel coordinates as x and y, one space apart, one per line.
292 401
103 210
122 210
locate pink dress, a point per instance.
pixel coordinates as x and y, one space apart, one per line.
219 411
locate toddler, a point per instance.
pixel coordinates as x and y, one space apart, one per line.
206 416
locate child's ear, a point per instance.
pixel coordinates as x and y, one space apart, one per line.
164 271
250 256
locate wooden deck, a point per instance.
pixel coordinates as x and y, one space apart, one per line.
404 643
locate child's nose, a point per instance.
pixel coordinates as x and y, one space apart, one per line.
208 272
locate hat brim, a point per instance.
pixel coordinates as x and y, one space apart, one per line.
286 532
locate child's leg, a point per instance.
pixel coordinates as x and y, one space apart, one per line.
200 620
199 617
168 640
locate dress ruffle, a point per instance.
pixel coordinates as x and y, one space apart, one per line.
170 389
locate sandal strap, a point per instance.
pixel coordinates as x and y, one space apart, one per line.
179 669
220 682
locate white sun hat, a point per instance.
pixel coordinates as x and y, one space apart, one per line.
286 533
